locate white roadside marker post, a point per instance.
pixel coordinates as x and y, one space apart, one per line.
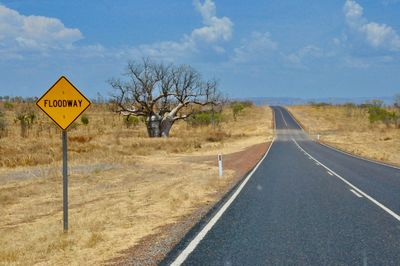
318 136
220 165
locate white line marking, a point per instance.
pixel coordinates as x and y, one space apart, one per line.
193 244
358 157
295 120
355 193
329 173
344 152
317 163
359 191
282 116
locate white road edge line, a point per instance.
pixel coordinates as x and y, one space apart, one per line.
344 152
329 173
282 116
358 157
193 244
359 191
355 193
294 119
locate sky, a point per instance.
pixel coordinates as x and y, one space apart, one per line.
275 48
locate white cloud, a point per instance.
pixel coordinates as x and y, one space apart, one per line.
257 47
214 31
377 35
297 59
19 32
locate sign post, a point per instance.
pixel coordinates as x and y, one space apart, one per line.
65 179
63 103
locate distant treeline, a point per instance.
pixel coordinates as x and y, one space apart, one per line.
17 99
367 104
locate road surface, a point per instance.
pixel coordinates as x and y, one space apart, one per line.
305 204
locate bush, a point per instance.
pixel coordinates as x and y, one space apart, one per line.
204 119
8 105
26 119
3 124
85 120
377 113
130 121
237 108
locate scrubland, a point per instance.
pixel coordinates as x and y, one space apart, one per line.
348 128
123 186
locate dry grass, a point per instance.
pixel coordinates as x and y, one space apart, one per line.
108 138
348 128
122 185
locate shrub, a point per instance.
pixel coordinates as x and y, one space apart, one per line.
3 124
85 120
237 108
377 113
204 118
130 121
26 119
8 105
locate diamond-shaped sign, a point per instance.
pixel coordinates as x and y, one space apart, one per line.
63 103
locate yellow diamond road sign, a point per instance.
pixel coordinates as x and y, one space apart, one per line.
63 103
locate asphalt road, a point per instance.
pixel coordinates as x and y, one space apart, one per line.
305 204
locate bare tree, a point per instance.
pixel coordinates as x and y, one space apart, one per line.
162 94
396 101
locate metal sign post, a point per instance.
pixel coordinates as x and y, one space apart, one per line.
63 103
65 179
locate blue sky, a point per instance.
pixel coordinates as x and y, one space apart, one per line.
304 48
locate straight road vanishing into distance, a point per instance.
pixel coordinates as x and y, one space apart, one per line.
305 204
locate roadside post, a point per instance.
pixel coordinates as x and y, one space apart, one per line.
318 136
63 103
220 165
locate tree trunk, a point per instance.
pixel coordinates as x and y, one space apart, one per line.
153 123
159 127
166 125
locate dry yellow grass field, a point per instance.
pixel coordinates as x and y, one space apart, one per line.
349 129
123 186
